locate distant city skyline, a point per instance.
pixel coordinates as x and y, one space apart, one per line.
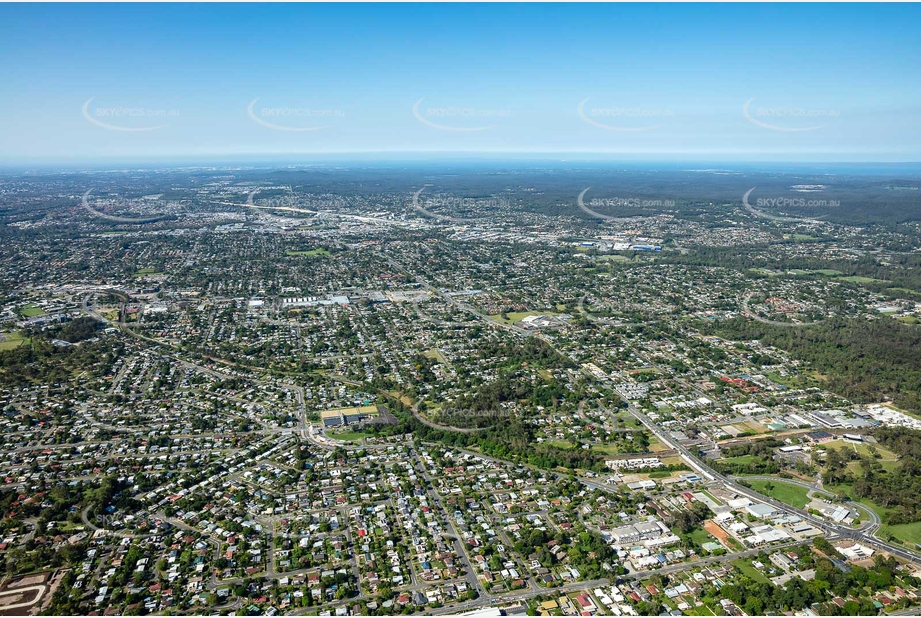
177 82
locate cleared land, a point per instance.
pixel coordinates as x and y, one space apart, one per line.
144 272
310 252
31 311
11 341
435 354
788 493
350 436
747 569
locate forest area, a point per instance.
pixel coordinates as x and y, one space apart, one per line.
865 361
44 361
898 490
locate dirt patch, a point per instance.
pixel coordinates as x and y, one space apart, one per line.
19 602
28 580
53 584
21 596
721 535
14 598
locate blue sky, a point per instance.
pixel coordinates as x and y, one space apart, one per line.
154 82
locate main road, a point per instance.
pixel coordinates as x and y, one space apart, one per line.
862 535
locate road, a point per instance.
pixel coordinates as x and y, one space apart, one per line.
862 535
771 217
747 312
594 318
459 546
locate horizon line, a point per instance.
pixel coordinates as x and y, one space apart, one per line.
19 161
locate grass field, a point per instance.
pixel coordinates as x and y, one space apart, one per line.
863 448
788 493
791 381
614 258
436 355
712 497
753 573
913 292
109 314
607 449
887 464
11 341
703 610
765 271
753 425
144 272
858 279
909 533
700 536
350 436
31 311
311 252
741 459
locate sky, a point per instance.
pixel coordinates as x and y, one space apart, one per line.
714 82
